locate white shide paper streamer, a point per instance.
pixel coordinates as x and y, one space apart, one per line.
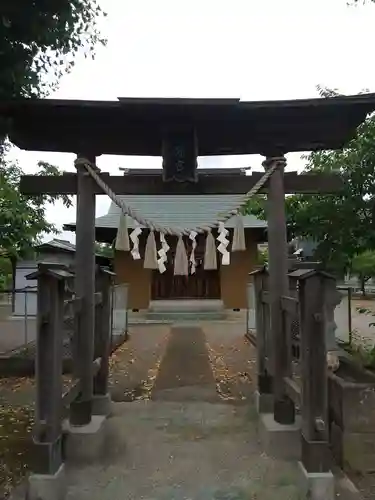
224 242
134 236
162 254
193 263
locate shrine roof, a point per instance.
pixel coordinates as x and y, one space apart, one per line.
177 211
132 126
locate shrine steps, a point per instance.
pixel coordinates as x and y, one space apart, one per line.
189 310
187 305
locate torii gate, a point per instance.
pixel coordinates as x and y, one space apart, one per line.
180 130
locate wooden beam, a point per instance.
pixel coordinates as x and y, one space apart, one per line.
265 297
83 340
134 127
314 411
201 171
48 370
73 392
264 377
284 411
207 184
103 331
293 389
289 304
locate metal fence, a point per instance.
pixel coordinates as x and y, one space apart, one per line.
250 311
18 316
344 316
119 315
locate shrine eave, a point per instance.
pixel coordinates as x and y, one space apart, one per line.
228 126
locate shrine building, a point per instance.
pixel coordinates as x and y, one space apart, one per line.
227 283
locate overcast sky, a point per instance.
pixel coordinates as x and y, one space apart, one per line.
248 49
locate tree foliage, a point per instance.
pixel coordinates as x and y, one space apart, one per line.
23 218
341 224
39 41
104 249
262 257
363 265
5 273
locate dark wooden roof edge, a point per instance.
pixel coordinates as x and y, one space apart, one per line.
177 101
71 226
201 171
207 185
183 102
320 101
108 235
302 274
57 249
135 127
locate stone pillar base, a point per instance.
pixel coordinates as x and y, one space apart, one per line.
102 405
47 486
278 440
263 402
85 443
317 485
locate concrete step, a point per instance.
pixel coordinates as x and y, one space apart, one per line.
186 316
188 305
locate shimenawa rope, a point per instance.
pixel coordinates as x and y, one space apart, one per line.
128 210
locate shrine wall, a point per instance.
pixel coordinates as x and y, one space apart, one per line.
132 272
234 277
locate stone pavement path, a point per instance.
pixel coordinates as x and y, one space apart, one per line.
171 435
173 447
185 373
174 450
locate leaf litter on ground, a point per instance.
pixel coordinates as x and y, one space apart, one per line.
225 361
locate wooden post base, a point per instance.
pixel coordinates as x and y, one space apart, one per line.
265 383
284 411
102 405
80 412
315 455
263 402
47 456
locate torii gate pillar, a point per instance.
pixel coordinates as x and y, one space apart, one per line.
284 411
83 341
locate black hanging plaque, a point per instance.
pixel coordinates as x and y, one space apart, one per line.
180 151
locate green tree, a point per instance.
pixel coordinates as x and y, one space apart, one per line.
39 41
262 257
341 224
5 273
23 218
104 249
363 265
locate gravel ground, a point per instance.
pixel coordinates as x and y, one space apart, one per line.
233 361
171 451
17 396
174 450
134 365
